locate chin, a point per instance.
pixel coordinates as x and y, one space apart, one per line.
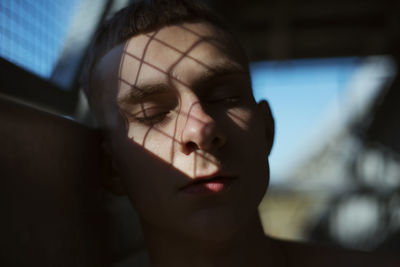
222 223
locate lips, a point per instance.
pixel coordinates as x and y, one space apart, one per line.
208 185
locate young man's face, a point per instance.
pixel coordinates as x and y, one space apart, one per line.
187 138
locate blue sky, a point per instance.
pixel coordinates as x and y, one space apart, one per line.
300 93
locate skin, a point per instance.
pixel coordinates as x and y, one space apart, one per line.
178 106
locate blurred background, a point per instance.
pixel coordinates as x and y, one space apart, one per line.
329 69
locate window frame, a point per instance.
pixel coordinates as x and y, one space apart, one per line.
23 85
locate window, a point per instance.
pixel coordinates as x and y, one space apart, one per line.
42 45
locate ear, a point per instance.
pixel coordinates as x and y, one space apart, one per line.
112 181
269 123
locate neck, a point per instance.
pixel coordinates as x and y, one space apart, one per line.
246 247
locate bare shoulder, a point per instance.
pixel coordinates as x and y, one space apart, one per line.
305 254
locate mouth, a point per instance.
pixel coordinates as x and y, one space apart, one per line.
213 184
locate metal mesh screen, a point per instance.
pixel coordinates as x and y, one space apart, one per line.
32 32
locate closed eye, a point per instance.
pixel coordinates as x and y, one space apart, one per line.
226 100
152 116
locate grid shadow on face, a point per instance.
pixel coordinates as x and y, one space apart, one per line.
171 81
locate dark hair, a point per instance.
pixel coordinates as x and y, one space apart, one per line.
142 17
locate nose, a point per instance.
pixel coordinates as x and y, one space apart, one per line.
200 131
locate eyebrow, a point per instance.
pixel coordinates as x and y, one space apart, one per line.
138 93
219 71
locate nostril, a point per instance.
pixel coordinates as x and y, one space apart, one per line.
219 140
191 146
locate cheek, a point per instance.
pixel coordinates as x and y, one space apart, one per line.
153 139
248 138
138 165
240 117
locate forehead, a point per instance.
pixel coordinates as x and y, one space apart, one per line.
176 53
